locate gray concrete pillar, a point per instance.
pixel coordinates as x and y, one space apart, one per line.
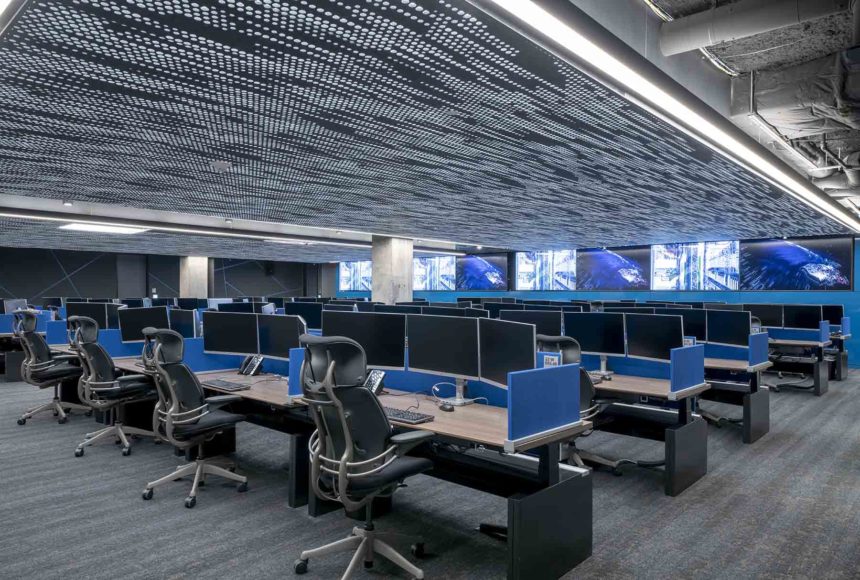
194 277
392 270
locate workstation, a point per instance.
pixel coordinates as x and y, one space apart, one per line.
468 289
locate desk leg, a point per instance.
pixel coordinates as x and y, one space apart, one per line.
756 415
820 375
300 465
686 455
840 365
548 471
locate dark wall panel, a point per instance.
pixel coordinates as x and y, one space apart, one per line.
256 278
34 273
163 275
130 275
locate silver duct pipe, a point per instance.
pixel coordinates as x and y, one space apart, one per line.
742 19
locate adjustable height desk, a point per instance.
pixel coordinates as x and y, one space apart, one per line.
820 371
736 382
839 368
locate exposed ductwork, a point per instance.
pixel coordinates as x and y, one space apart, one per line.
742 19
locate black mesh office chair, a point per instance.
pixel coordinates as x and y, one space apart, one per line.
355 457
184 415
42 367
104 389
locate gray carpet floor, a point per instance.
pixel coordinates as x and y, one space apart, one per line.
787 506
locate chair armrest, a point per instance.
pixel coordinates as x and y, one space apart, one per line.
126 378
221 400
63 357
408 440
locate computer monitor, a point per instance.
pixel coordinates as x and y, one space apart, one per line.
311 312
541 307
572 308
339 307
192 303
442 311
445 345
306 299
183 321
469 301
133 302
536 302
729 327
714 306
505 347
477 313
13 304
164 301
236 307
278 334
545 322
365 306
803 316
653 336
695 321
94 310
630 309
598 333
343 302
495 307
396 309
214 302
52 301
692 304
263 307
230 333
769 314
133 320
833 312
73 299
383 336
278 301
444 304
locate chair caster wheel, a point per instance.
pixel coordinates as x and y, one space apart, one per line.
126 451
300 566
22 421
79 452
147 494
190 502
418 550
62 420
243 487
88 413
56 414
616 471
368 564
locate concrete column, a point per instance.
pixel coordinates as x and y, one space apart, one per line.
392 270
194 277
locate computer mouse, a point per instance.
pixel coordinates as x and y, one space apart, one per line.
447 407
607 378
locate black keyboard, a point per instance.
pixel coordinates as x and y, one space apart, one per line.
409 417
226 385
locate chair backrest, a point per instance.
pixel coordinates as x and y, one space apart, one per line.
36 349
96 362
755 324
176 383
570 354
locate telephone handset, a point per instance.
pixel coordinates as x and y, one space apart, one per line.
251 366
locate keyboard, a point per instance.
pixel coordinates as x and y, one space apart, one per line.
226 385
408 417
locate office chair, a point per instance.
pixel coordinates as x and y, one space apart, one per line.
43 368
355 457
184 416
104 389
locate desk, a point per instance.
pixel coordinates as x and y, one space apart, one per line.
790 362
685 435
735 382
839 368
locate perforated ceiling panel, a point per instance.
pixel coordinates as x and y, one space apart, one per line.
423 118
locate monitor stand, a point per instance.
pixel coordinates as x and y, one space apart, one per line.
459 400
604 372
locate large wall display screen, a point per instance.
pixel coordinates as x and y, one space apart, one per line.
614 269
434 273
695 266
797 264
482 272
355 276
550 270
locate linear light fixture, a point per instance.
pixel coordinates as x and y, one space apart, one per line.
102 228
366 245
438 252
581 47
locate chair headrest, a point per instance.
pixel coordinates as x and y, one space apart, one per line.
86 329
566 345
27 319
169 345
348 356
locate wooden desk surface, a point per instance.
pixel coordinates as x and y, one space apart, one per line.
728 364
658 388
787 342
267 389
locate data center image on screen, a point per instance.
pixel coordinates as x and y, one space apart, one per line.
550 270
721 266
482 272
434 273
797 264
614 269
355 276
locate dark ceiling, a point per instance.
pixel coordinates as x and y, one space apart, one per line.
424 119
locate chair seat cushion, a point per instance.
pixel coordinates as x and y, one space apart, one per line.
59 372
131 389
214 421
396 471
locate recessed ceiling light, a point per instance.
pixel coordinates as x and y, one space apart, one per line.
221 166
65 203
228 221
102 228
479 247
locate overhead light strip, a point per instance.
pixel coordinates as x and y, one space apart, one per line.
528 12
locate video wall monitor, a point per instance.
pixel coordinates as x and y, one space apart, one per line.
548 270
695 321
833 312
311 312
236 307
278 334
495 307
192 303
729 327
340 308
695 266
445 345
388 309
482 272
614 269
434 273
797 264
133 320
599 333
382 336
443 311
96 311
230 333
182 321
477 313
804 316
652 336
355 276
505 347
13 304
769 314
545 322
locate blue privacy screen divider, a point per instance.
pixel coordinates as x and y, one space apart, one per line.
758 348
276 366
629 366
297 357
540 401
822 334
61 312
7 321
687 367
199 361
111 340
726 351
56 332
846 325
824 331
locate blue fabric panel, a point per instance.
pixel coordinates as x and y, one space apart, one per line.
276 366
846 325
56 332
297 357
199 361
824 330
688 367
796 334
61 312
758 348
726 351
542 399
111 340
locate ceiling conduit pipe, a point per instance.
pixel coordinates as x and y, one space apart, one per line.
742 19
